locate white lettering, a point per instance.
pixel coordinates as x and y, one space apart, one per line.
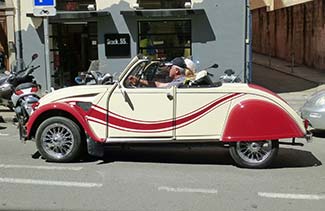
121 41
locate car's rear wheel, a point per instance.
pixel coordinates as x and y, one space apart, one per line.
59 139
257 154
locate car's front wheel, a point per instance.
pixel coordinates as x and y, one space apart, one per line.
258 154
59 139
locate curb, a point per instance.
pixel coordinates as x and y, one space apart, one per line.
6 115
6 118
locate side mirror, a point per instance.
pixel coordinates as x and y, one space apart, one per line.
35 56
214 66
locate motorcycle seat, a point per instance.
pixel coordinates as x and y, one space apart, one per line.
25 86
3 79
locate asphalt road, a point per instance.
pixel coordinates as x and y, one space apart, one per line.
178 178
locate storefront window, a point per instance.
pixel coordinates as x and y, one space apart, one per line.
162 4
74 5
165 39
72 47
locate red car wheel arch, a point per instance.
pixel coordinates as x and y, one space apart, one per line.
253 120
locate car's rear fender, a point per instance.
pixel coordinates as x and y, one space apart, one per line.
70 111
257 119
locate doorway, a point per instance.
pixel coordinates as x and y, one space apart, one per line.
74 46
3 42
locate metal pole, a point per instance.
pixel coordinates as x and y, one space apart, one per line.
47 54
19 44
292 61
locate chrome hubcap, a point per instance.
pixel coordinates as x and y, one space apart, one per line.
57 140
254 152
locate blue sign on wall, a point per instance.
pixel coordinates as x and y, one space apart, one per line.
44 3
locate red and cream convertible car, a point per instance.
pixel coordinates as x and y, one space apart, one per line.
248 119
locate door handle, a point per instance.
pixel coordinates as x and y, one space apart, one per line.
170 96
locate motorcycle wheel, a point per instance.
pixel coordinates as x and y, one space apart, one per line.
59 139
11 107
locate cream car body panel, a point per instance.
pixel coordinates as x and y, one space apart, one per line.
85 93
249 119
183 114
136 116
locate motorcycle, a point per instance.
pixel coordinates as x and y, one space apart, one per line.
203 77
94 77
9 82
26 94
229 77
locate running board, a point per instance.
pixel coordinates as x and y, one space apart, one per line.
291 143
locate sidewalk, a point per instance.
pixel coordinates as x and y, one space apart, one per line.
306 73
6 115
295 99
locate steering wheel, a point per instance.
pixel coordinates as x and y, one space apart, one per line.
132 84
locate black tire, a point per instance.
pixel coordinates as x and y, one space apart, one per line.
59 139
256 155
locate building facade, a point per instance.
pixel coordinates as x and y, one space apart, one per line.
208 31
7 37
291 30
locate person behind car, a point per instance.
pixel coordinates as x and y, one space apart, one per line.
2 59
176 73
190 69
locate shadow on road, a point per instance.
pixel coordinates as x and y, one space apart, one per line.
170 154
294 158
287 157
318 133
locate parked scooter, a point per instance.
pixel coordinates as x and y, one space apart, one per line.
8 83
5 91
229 77
203 77
26 92
94 77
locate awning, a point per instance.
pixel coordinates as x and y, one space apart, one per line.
163 12
76 15
275 4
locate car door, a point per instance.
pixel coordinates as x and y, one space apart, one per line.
141 113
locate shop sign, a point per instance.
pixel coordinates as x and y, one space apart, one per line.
44 3
117 45
44 8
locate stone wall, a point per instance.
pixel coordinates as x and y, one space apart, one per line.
296 32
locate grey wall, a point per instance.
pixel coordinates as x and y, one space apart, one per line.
115 24
33 42
228 20
218 36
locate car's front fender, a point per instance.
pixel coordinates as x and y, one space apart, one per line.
56 109
256 119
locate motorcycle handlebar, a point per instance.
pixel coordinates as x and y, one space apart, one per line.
27 72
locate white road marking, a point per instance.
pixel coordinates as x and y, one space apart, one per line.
292 196
4 134
50 183
188 190
8 166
